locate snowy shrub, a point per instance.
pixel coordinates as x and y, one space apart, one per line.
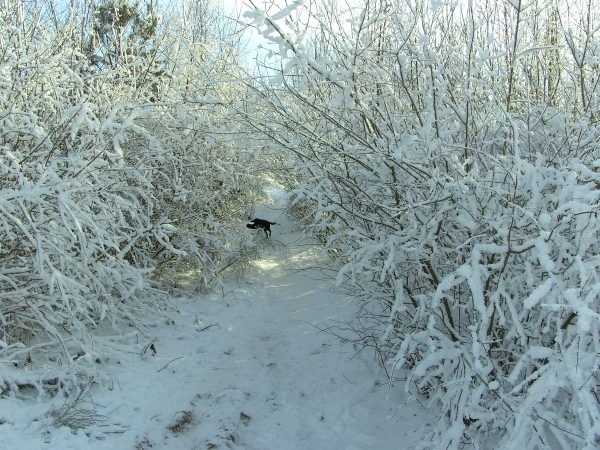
107 177
448 158
64 217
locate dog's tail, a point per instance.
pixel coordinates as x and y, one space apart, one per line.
273 223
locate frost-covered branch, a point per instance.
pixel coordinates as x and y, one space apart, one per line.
450 168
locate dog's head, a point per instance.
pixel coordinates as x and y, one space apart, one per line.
251 226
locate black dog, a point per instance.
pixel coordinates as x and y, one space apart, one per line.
261 223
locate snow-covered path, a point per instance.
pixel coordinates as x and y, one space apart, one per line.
244 368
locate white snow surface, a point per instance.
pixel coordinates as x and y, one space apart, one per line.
247 366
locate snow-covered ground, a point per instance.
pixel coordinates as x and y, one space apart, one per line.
243 368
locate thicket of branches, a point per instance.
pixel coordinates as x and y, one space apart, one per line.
447 155
117 167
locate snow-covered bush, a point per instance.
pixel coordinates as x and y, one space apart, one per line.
108 176
447 155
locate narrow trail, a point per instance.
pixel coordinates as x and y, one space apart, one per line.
248 368
274 381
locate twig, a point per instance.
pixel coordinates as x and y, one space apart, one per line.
213 325
147 346
108 414
164 367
